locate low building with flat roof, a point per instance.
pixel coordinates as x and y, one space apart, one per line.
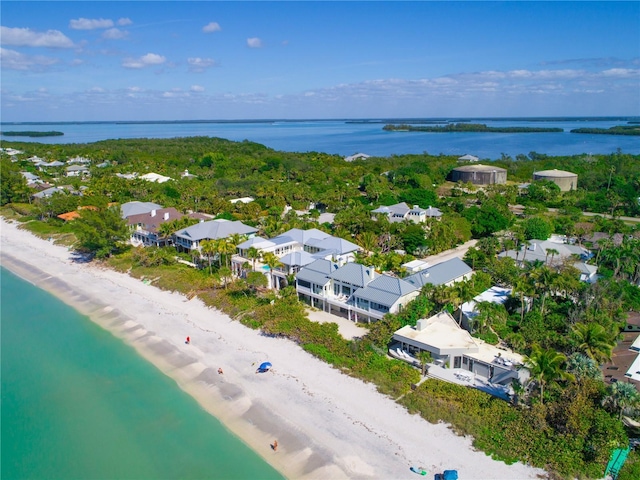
453 347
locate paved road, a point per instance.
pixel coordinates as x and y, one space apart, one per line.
459 252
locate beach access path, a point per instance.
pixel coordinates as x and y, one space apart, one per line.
327 424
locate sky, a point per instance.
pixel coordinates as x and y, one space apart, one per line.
213 60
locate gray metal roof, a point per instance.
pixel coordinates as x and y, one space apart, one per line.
385 290
297 259
440 273
303 236
316 272
354 274
338 245
136 208
215 229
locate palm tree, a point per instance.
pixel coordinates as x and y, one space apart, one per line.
488 314
253 254
465 293
367 240
553 252
545 367
594 341
272 261
522 287
209 248
621 395
424 356
583 367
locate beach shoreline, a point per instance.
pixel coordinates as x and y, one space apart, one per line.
327 424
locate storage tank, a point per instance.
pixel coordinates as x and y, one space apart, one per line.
479 174
565 180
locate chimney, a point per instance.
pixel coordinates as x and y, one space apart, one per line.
166 215
153 213
421 324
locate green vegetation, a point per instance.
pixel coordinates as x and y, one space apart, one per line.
469 127
565 420
617 130
28 133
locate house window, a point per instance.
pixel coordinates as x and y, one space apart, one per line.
379 307
304 283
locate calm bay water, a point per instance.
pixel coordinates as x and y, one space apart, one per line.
77 403
346 138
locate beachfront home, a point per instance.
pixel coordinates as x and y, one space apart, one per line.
452 347
136 208
295 249
189 239
401 212
144 226
353 291
443 273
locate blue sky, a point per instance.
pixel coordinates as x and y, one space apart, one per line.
170 60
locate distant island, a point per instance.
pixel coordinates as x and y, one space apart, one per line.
468 127
28 133
617 130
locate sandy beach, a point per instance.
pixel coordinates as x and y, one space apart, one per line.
328 425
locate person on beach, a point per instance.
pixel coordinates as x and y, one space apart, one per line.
220 371
188 340
275 445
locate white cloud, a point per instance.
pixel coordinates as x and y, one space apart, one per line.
197 64
90 23
211 27
144 61
123 22
115 34
96 90
25 37
254 42
196 88
12 60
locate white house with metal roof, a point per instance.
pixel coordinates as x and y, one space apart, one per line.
401 212
295 248
443 273
189 239
353 290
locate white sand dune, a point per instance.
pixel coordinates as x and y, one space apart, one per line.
328 425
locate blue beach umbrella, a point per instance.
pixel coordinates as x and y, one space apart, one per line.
264 367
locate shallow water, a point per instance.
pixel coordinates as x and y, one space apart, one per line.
77 403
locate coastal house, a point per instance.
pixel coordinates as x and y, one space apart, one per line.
443 273
144 226
548 252
357 156
79 160
452 347
136 208
189 239
495 294
295 249
401 212
49 192
242 200
468 158
77 171
155 177
32 179
353 291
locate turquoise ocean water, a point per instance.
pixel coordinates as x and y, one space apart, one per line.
77 403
